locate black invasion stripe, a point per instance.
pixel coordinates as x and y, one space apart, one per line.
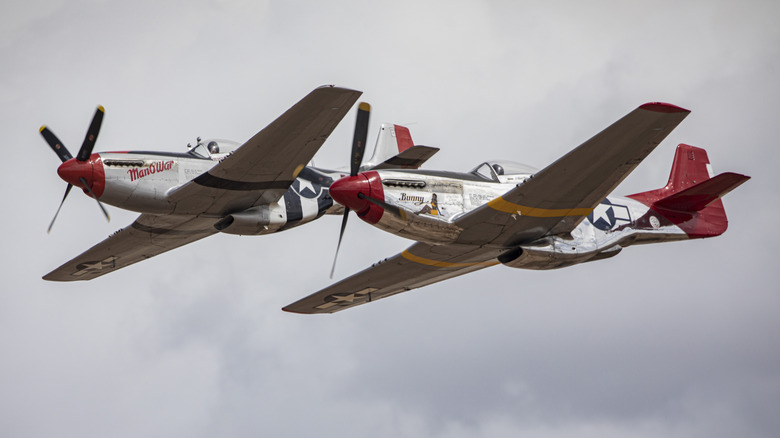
209 180
292 203
316 177
153 230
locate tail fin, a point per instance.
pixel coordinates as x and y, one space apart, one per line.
691 198
395 150
391 141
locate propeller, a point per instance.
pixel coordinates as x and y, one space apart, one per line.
91 137
56 144
356 159
67 190
83 155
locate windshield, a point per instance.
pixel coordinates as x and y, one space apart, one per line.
485 171
200 151
504 167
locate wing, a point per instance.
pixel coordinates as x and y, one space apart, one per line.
420 265
557 198
263 168
147 237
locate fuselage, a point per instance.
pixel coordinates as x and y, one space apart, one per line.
141 181
430 203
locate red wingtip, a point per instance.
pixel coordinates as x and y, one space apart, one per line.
661 107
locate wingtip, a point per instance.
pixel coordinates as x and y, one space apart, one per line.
738 177
289 309
337 88
662 107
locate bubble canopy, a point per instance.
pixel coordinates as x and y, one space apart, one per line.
492 169
212 147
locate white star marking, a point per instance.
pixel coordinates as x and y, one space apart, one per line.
90 267
346 299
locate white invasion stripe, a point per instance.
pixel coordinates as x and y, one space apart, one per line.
309 209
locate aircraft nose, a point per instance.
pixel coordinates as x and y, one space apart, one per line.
345 192
73 170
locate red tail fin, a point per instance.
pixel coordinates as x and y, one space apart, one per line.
691 198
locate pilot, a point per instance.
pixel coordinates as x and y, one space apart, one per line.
499 170
213 147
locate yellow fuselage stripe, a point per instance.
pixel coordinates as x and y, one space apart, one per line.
501 204
423 261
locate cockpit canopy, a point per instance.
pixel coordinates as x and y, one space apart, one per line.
501 170
213 148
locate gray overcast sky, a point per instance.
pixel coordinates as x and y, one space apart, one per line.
675 340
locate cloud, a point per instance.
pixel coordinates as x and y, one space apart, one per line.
672 340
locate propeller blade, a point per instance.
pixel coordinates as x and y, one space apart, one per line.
92 133
56 144
359 139
91 193
341 234
356 159
67 190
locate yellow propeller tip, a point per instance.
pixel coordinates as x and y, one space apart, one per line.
101 109
364 106
42 128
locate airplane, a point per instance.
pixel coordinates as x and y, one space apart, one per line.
218 186
505 213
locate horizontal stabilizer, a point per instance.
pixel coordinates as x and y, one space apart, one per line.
699 196
411 158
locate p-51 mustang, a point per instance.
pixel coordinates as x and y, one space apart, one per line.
504 213
260 187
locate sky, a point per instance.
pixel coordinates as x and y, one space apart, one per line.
674 340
